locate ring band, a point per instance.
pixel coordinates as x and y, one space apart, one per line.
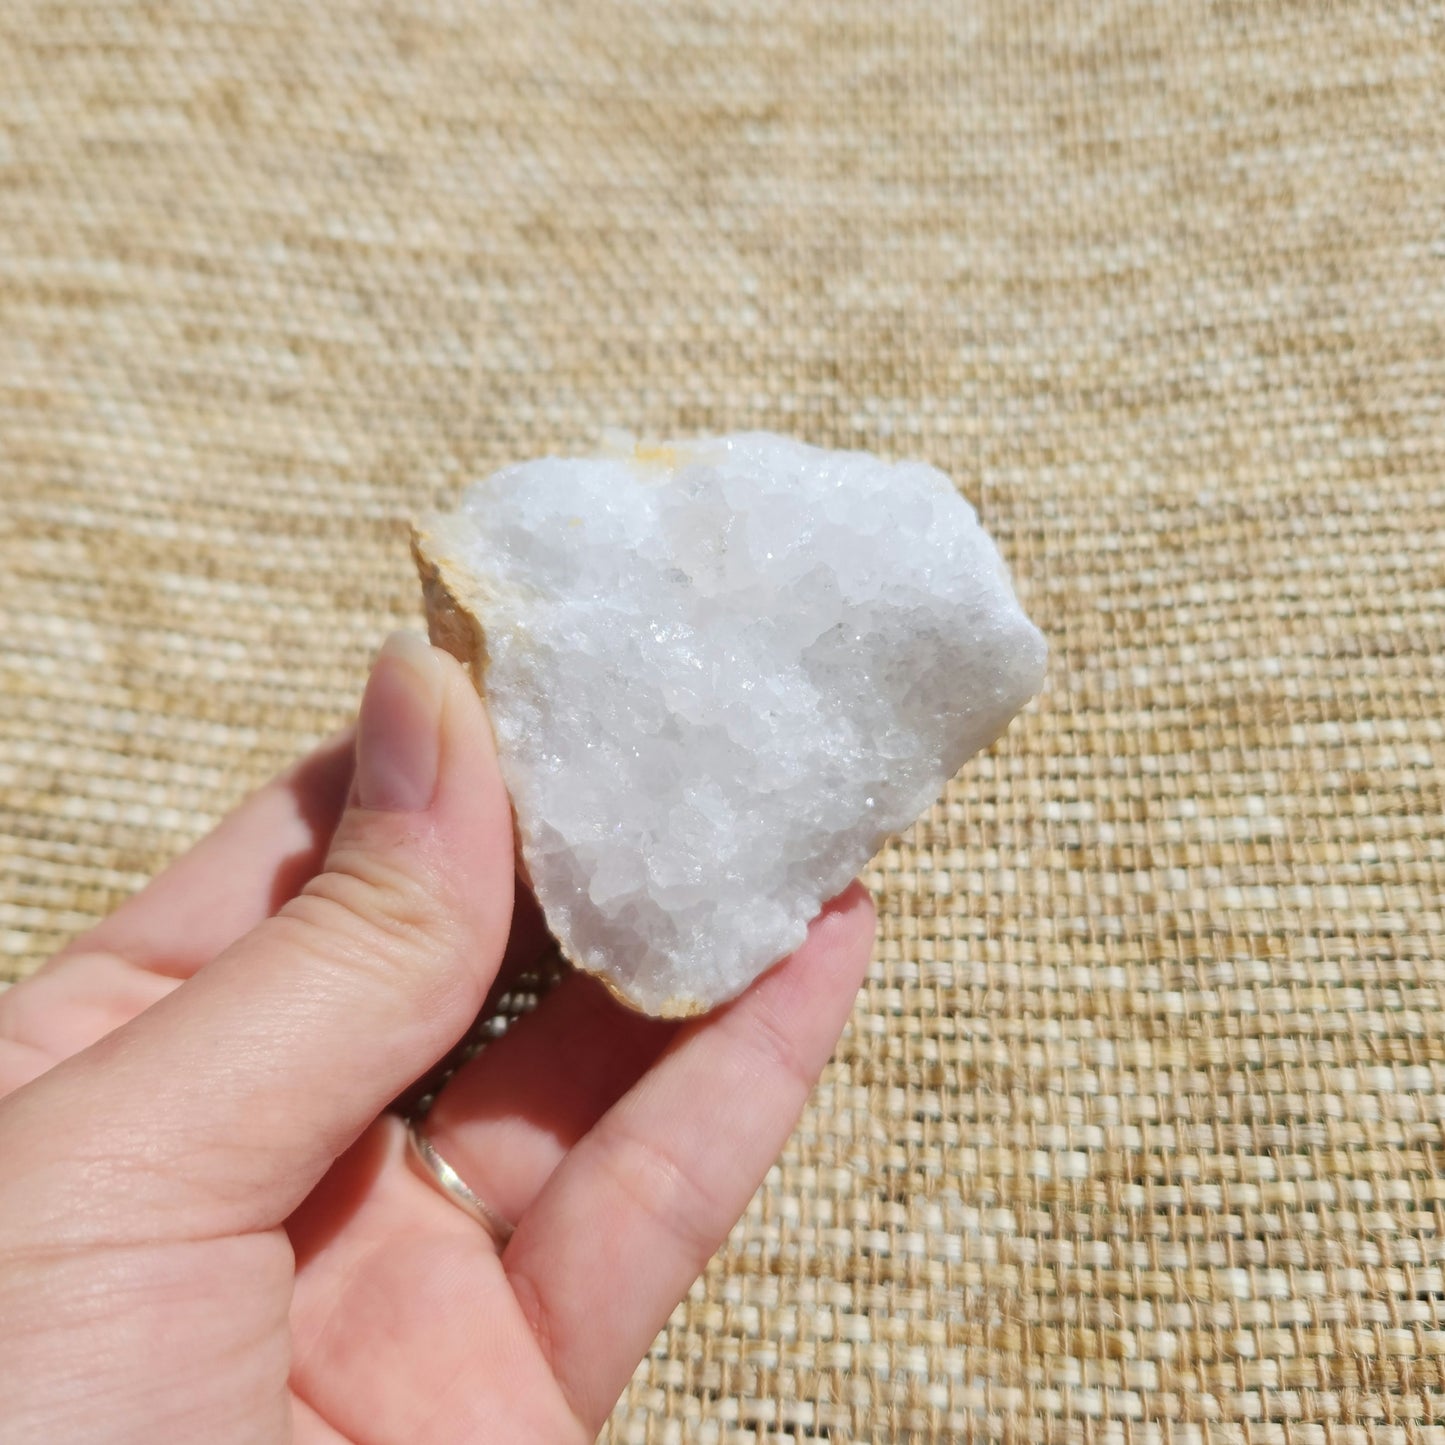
436 1169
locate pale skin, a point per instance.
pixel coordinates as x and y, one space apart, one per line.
209 1229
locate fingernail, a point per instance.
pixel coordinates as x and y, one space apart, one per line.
398 734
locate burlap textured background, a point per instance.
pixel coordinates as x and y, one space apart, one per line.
1139 1129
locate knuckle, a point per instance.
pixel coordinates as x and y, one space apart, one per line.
369 914
664 1189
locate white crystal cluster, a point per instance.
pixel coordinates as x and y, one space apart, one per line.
720 673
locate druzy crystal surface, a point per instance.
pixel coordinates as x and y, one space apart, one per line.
720 673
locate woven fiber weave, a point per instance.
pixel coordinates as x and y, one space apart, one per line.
1138 1131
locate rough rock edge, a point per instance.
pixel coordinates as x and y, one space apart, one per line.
453 624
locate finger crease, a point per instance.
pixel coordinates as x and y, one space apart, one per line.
538 1313
659 1185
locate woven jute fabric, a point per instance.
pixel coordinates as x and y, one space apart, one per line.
1136 1134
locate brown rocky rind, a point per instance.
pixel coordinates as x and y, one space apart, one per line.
451 623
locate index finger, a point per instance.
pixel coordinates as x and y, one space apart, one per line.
257 858
238 875
632 1215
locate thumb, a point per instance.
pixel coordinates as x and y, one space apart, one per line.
220 1107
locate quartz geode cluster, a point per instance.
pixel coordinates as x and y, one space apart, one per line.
720 673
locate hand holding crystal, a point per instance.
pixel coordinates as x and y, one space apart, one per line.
211 1227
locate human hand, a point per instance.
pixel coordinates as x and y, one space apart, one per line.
209 1229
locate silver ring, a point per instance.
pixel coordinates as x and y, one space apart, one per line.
436 1169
